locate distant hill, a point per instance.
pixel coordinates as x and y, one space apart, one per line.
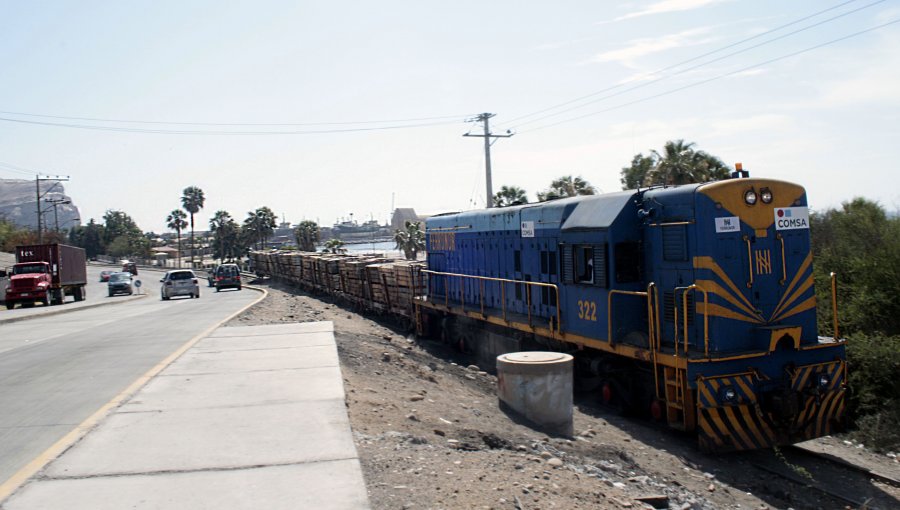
17 203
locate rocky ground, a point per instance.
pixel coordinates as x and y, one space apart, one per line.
430 435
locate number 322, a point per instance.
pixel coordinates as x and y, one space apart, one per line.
587 310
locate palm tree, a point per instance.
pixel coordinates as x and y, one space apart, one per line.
410 239
334 246
566 186
218 225
510 195
307 234
175 221
261 223
192 200
681 164
635 176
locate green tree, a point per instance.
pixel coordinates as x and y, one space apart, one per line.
119 247
218 225
334 246
92 239
192 200
510 195
176 220
566 186
862 246
860 243
635 176
679 163
307 234
260 225
11 235
118 223
234 245
410 239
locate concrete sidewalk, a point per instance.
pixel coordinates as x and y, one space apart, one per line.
250 417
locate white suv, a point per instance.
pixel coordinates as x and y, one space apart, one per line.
181 282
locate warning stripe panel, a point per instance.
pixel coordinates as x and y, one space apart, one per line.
734 428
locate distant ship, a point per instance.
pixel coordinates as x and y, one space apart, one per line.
350 230
352 227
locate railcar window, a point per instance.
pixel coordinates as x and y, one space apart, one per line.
517 261
544 259
628 262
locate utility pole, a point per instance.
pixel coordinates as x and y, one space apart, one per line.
57 202
38 195
489 190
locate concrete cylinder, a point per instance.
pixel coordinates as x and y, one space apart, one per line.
538 386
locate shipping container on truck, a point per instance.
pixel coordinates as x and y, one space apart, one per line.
47 273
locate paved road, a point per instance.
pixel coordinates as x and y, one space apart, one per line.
56 371
97 292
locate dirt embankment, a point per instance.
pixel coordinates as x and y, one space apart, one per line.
430 435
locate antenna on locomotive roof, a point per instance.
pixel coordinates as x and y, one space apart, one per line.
739 172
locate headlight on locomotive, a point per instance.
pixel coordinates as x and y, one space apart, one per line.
824 381
728 395
765 195
750 197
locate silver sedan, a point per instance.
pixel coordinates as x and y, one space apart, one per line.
181 282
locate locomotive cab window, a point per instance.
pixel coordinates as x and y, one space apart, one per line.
584 264
628 262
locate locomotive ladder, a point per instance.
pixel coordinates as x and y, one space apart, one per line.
675 401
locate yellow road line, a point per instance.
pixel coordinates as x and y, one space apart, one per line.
8 487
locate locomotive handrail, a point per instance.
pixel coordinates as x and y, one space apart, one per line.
749 262
502 293
783 260
684 299
671 223
609 297
653 330
834 313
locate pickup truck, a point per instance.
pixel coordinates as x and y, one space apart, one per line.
46 273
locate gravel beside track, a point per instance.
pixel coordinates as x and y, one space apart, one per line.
430 435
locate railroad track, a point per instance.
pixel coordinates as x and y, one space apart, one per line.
831 477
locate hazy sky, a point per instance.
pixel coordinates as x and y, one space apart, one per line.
331 85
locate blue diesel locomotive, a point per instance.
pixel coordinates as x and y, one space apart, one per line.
694 304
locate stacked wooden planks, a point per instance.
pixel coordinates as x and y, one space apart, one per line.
369 281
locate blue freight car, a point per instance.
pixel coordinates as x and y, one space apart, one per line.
694 304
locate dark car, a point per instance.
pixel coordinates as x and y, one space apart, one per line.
120 283
227 276
104 275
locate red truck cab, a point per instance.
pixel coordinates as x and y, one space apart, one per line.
46 273
29 282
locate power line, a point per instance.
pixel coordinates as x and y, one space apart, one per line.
692 59
122 129
233 124
9 167
708 80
